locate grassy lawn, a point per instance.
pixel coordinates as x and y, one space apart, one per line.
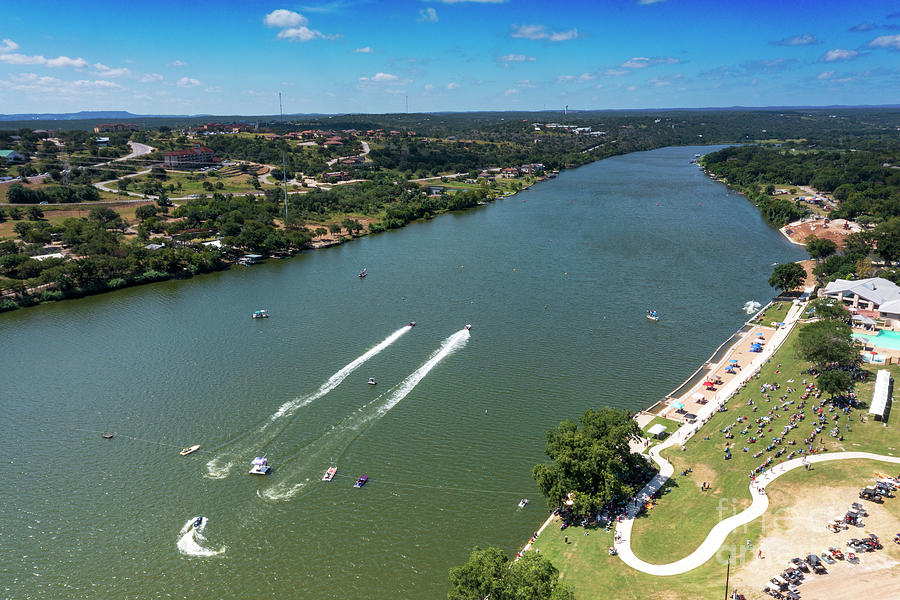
684 515
670 425
777 312
193 184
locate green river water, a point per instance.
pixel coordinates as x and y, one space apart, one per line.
555 281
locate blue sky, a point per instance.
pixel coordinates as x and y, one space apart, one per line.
225 57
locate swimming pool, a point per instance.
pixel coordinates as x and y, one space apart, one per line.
884 339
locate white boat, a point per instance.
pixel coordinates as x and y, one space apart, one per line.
329 474
523 502
372 381
190 450
260 466
467 327
260 314
652 315
363 273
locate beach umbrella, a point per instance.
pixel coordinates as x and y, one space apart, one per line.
759 335
733 361
678 405
708 384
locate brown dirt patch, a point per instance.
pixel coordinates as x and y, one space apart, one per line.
834 230
799 529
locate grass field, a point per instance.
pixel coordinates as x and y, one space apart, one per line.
193 184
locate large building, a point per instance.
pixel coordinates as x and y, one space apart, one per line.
10 156
106 127
194 157
873 294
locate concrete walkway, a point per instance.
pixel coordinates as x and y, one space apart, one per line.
723 528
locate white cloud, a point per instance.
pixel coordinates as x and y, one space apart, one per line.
282 18
631 88
525 83
586 77
97 83
540 32
616 72
564 78
187 82
429 87
511 58
886 41
364 50
826 75
151 78
177 63
511 92
22 59
105 71
805 39
8 45
839 54
427 15
301 34
648 2
452 86
65 61
641 62
381 77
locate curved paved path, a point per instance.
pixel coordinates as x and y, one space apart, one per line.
720 531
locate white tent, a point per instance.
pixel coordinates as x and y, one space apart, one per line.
697 396
657 430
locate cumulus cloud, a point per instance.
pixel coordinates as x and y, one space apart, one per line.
648 2
105 71
382 78
805 39
65 61
282 19
642 62
364 50
177 63
511 92
886 41
540 32
22 59
863 27
826 75
151 78
452 86
303 34
427 15
59 61
97 83
511 58
188 82
616 72
8 45
839 54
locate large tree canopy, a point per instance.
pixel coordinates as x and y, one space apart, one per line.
593 462
787 276
489 574
827 343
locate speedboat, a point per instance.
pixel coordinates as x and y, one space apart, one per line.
372 381
467 327
190 449
363 273
329 474
198 522
260 466
361 481
523 502
260 314
412 323
107 435
652 315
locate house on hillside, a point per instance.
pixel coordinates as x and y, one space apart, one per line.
509 172
10 157
196 156
874 294
106 127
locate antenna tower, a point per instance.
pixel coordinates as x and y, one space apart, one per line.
283 164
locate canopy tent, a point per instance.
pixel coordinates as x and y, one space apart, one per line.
864 320
708 383
678 405
657 430
697 396
881 395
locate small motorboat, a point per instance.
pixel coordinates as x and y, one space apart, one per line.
260 466
523 502
372 381
198 522
329 474
107 435
190 450
652 315
260 314
363 273
468 326
412 323
361 481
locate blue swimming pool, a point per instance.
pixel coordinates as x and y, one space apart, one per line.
884 339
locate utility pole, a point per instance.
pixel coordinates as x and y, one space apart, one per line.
727 573
283 165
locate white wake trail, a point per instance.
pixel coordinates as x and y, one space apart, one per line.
191 540
220 465
320 453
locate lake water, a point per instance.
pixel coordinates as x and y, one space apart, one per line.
555 281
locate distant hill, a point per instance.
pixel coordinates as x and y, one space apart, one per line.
117 115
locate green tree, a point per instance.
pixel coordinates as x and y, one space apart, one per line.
887 239
819 248
829 308
834 382
35 213
787 276
827 343
145 211
335 228
593 462
489 574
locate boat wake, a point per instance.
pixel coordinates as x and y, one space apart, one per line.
191 540
315 457
221 464
752 307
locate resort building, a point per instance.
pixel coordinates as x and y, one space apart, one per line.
873 294
105 127
198 155
10 156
